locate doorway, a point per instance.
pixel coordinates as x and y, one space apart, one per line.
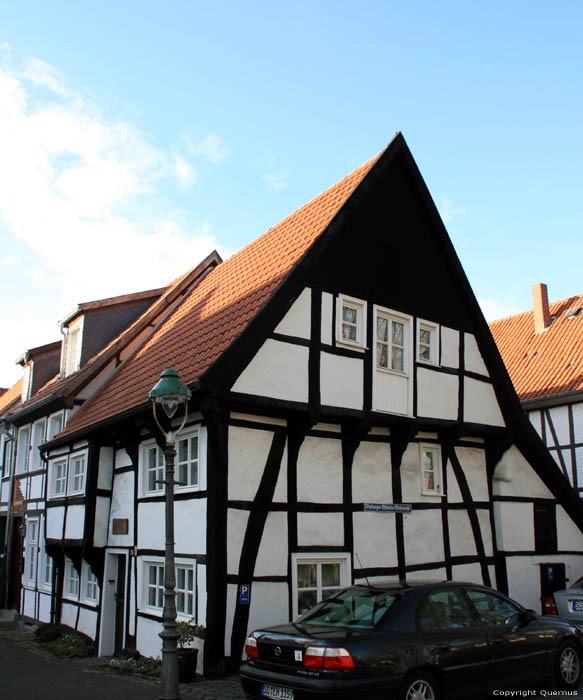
112 639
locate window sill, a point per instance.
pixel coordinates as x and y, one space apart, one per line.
351 344
394 372
428 363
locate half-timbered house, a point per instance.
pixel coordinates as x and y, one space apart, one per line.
351 420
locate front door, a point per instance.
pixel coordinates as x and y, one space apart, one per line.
113 616
15 565
119 596
552 578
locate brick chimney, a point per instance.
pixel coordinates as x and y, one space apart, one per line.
540 306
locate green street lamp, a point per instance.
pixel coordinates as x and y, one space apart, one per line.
169 393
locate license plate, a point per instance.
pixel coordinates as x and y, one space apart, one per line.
276 692
577 605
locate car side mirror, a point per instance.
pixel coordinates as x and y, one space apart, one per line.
527 616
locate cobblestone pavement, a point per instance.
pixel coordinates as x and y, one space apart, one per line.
29 672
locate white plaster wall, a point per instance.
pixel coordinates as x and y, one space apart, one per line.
524 575
190 525
297 319
371 473
560 418
106 457
269 604
122 459
569 536
36 486
132 603
201 584
75 522
55 518
278 370
5 491
461 535
341 381
319 470
535 418
473 361
248 452
101 521
148 642
411 477
122 506
578 421
327 316
473 461
454 494
320 529
391 392
469 572
423 534
514 524
486 530
270 420
44 607
437 394
272 554
87 622
450 347
480 403
427 575
514 476
236 528
28 597
69 614
232 591
374 539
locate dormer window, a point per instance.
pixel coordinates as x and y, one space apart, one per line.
26 382
72 348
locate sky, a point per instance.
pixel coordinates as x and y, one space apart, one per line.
137 136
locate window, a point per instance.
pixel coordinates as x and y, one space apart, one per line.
392 342
351 321
71 580
72 348
26 383
154 469
445 608
46 570
427 342
188 463
58 477
317 577
31 556
77 474
55 425
492 609
23 449
430 459
90 584
38 437
154 587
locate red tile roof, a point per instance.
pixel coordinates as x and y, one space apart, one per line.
548 363
219 308
10 397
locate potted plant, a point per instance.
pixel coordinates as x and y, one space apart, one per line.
187 655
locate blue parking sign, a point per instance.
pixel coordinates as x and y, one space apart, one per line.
244 594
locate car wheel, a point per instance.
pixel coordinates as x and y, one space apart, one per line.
419 686
568 666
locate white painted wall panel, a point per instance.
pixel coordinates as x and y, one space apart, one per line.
514 476
320 529
87 622
535 418
327 318
480 403
122 459
454 494
374 539
423 533
201 581
148 641
473 361
44 607
577 409
36 486
371 473
69 614
450 347
319 470
272 554
278 370
248 452
341 381
411 477
101 521
232 591
75 522
236 528
55 517
514 526
122 506
27 602
427 575
190 525
469 572
559 416
296 322
437 394
473 461
151 526
461 536
269 604
569 536
132 603
486 530
391 392
106 457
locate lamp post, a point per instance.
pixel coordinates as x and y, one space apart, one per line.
169 393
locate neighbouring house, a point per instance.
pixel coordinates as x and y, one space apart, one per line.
543 352
351 420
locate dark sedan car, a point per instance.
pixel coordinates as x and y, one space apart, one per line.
416 642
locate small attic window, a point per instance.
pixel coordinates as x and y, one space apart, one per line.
573 312
72 348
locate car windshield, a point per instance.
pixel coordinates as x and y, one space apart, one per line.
355 607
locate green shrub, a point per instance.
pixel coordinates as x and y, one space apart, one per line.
142 666
48 632
73 645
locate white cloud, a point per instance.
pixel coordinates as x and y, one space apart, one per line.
82 190
211 148
446 209
276 180
494 309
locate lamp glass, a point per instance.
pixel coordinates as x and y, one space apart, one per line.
170 392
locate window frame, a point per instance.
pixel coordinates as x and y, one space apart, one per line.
319 558
88 578
435 450
71 577
407 321
71 364
32 551
53 417
359 305
158 586
34 445
74 457
22 451
433 329
53 464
